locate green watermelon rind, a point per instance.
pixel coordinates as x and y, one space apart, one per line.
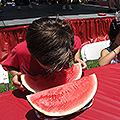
57 114
80 73
24 83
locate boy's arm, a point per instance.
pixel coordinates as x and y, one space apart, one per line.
78 60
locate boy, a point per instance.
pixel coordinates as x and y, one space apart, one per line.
48 47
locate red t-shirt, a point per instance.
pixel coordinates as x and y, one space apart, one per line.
21 59
77 44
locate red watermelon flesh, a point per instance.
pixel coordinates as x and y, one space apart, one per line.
65 99
40 82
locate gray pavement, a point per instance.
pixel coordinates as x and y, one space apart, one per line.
10 16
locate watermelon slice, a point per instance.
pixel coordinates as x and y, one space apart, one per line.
65 99
40 82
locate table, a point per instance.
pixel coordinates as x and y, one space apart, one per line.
14 106
107 99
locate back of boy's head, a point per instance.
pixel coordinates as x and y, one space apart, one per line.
50 41
114 30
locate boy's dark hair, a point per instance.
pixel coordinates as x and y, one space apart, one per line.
114 30
50 41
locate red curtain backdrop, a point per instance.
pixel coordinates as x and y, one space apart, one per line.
9 37
89 30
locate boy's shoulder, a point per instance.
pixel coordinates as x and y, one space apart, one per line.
21 47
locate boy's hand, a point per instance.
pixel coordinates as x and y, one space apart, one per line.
84 65
16 81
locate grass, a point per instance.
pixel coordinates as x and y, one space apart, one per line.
91 64
11 87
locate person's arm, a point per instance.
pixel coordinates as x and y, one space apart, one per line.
16 79
107 56
78 60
